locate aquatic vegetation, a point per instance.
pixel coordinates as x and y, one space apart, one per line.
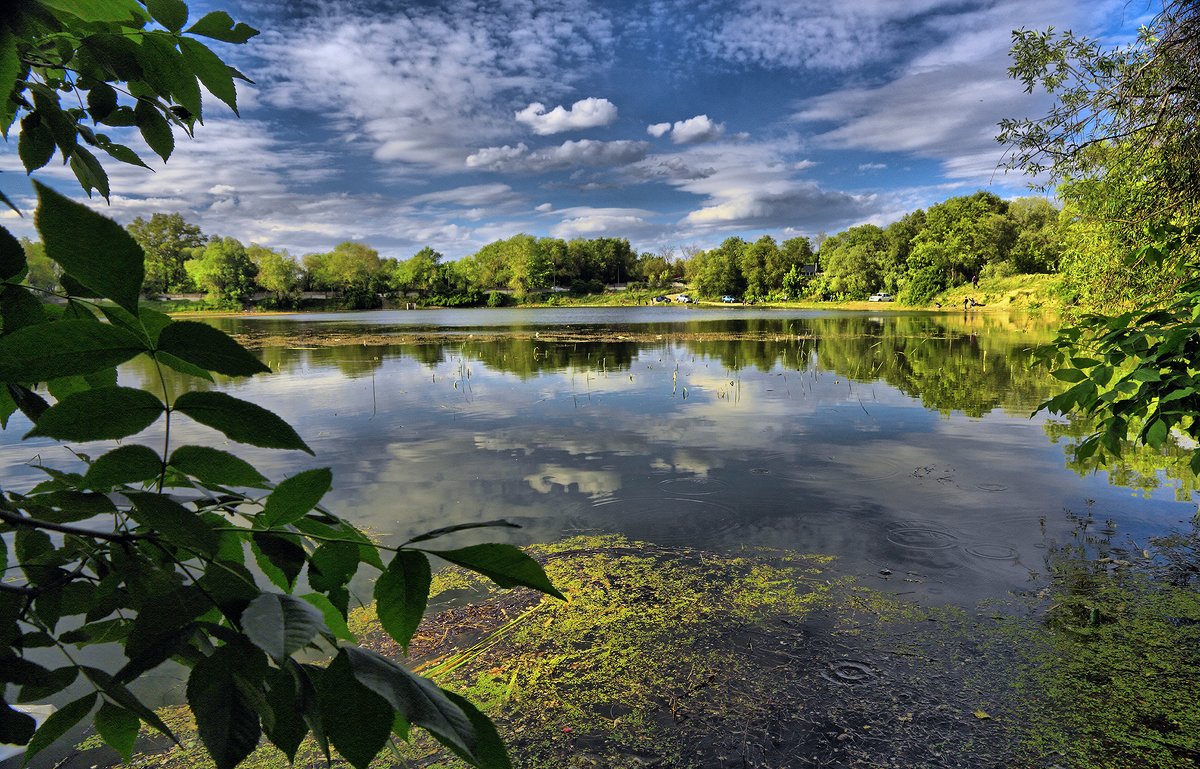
687 658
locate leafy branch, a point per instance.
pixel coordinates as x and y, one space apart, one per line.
112 548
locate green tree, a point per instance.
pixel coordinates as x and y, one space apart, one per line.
43 272
852 261
1123 141
223 269
1038 245
419 273
168 241
959 237
352 269
718 271
276 272
149 548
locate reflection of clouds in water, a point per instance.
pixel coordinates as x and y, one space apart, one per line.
593 483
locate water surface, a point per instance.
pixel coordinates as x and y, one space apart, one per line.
901 443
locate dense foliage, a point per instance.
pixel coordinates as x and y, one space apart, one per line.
1123 142
955 242
184 552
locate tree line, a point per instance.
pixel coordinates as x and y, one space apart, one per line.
915 258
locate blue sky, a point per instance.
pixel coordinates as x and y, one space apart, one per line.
673 123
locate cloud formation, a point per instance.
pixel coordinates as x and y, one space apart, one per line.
585 113
694 130
569 154
427 82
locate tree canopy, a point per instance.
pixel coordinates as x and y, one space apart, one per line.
1122 141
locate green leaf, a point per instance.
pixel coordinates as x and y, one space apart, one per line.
18 670
174 522
51 683
118 727
59 722
68 385
29 402
89 172
219 26
401 594
435 533
357 720
489 751
118 693
1068 375
36 145
15 727
124 154
8 407
213 72
99 414
12 256
48 351
333 618
417 699
127 464
172 14
101 100
10 70
281 625
294 497
1156 433
332 565
19 308
226 720
239 420
155 129
98 10
281 558
182 366
505 565
167 72
283 728
209 348
214 467
76 236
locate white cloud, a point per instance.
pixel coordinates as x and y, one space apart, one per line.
872 166
817 34
544 208
695 130
658 130
586 221
496 157
584 152
946 103
585 113
751 185
422 84
472 195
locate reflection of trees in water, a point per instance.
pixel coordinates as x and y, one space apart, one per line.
947 370
952 363
1140 467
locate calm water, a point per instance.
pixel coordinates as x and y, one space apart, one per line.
894 441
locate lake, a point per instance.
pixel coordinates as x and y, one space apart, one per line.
901 443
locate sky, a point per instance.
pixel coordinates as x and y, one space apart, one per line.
673 123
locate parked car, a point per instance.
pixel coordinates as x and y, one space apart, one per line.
727 299
683 299
660 300
881 298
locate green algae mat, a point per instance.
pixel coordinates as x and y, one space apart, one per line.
674 657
